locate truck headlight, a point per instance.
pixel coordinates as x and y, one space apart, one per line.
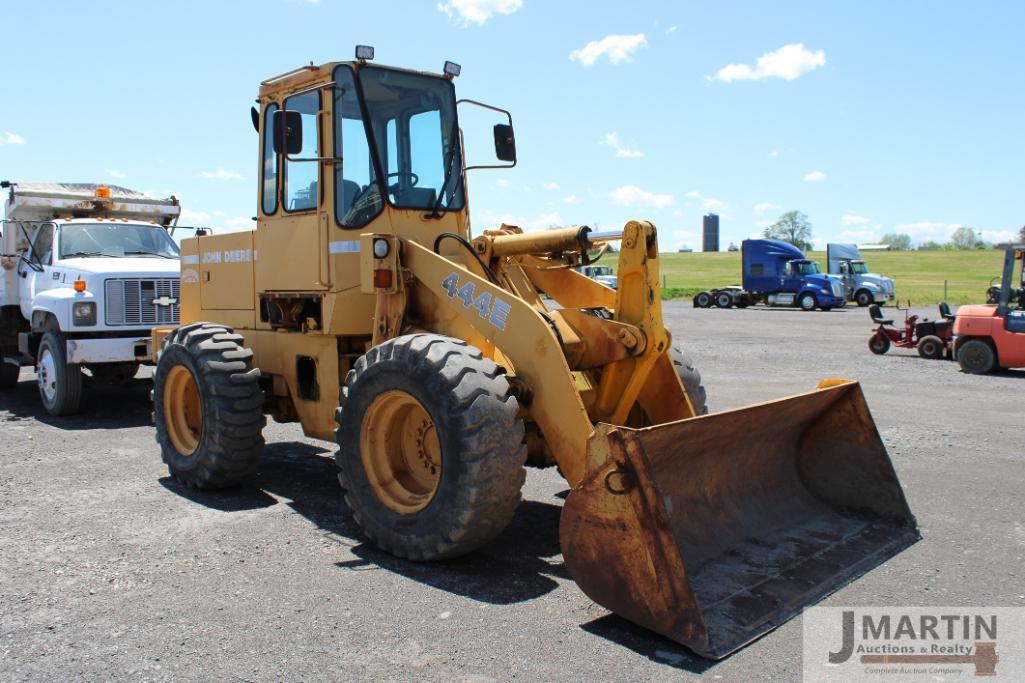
83 313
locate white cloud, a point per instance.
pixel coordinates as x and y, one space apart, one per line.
239 222
572 199
551 186
114 173
194 218
221 174
708 203
671 30
467 12
788 62
492 219
851 219
764 223
631 195
502 182
764 207
859 236
617 48
612 140
814 177
774 154
9 138
528 188
923 231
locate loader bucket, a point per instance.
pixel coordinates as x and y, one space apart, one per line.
716 529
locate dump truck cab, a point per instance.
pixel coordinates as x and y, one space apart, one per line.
363 308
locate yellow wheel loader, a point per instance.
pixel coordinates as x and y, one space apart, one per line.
362 307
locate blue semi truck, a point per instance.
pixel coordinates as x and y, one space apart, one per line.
776 274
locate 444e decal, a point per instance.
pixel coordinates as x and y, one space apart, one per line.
492 309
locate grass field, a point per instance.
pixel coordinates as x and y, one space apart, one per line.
918 275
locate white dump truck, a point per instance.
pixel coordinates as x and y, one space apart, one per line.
87 271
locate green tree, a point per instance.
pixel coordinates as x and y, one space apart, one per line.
793 227
964 238
1021 234
897 240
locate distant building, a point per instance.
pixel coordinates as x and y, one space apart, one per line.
710 233
732 247
875 247
685 250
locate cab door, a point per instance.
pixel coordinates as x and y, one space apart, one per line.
291 239
36 270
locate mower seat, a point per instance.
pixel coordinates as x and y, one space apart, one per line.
877 315
945 311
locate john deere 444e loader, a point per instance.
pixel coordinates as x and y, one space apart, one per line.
361 307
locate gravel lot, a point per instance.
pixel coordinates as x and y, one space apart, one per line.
109 570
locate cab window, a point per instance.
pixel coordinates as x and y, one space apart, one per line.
42 248
300 177
357 194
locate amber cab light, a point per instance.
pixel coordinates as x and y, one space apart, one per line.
382 278
79 285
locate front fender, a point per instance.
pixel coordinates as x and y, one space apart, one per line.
57 303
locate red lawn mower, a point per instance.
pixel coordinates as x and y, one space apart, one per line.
932 338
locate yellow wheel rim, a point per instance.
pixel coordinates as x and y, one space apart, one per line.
400 451
183 414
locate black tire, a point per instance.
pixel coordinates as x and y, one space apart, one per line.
230 405
931 347
724 300
827 308
703 300
691 379
879 344
977 357
479 435
864 298
807 302
8 375
60 384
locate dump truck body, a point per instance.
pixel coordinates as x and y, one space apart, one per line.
362 307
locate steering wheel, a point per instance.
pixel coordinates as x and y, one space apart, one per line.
415 179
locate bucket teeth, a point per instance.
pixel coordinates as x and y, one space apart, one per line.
716 529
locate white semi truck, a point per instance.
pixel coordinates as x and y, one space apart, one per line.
86 271
865 288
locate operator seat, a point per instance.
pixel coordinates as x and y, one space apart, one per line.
945 311
877 315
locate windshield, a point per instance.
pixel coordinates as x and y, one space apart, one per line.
116 240
859 267
416 136
806 267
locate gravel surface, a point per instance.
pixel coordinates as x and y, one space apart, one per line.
110 570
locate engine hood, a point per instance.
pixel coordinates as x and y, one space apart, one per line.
120 267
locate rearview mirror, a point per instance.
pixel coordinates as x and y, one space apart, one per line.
505 143
291 129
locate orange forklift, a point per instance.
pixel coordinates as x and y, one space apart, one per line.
990 336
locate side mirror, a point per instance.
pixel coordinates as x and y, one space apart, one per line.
505 143
255 116
291 129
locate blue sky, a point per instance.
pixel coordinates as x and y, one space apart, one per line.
870 117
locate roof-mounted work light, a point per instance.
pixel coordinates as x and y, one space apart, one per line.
452 69
365 53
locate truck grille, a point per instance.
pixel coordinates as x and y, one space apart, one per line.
142 302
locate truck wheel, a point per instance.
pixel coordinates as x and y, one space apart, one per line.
60 383
931 347
691 379
976 356
8 375
207 406
807 302
430 448
724 300
879 344
864 298
703 300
